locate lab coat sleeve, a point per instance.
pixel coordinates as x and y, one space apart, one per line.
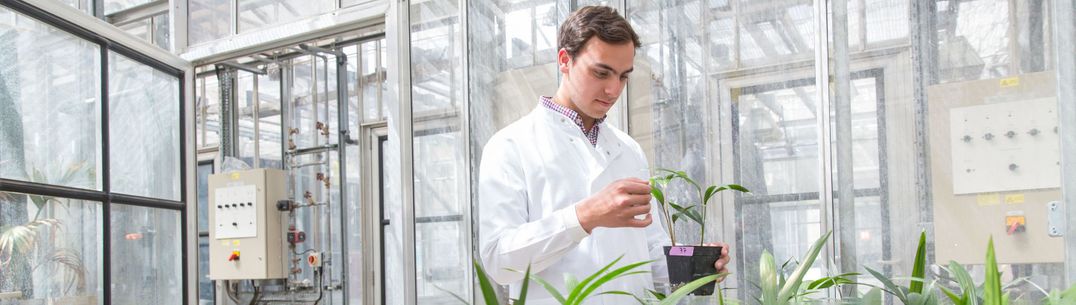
508 240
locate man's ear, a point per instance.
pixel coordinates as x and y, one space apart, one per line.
563 61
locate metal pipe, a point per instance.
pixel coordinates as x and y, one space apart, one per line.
825 148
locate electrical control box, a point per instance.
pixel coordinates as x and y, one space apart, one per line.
995 167
245 233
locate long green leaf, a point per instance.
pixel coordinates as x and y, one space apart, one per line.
767 271
616 273
969 293
992 286
920 265
675 296
658 194
483 281
522 299
710 191
570 281
793 283
574 294
890 287
953 297
549 288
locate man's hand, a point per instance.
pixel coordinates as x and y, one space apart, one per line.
721 263
616 205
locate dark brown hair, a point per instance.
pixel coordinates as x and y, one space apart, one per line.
590 21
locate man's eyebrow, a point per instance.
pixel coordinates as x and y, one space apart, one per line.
607 67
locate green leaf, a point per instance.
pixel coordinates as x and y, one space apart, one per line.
617 273
792 285
658 194
488 293
549 288
889 286
831 281
967 285
920 265
570 282
687 211
992 286
738 187
675 297
956 299
523 290
573 295
767 272
710 191
657 295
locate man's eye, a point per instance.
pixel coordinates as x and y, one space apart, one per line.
601 74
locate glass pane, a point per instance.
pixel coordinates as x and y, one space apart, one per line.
372 81
206 290
245 105
112 6
268 116
208 112
146 266
255 14
162 37
144 129
511 59
435 57
49 85
208 20
140 29
392 222
204 170
441 238
57 257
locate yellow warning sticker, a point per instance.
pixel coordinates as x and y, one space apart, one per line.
235 242
1009 82
224 243
235 176
1014 198
988 199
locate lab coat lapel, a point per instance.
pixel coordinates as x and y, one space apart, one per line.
608 150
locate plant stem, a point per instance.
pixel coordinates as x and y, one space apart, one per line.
668 221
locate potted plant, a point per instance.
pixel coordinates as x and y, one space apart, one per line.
688 262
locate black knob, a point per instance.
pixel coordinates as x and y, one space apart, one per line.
235 224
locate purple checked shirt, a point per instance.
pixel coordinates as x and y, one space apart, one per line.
592 134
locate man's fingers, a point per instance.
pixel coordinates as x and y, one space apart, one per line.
640 223
636 187
638 209
636 200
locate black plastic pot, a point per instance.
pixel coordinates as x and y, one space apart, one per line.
688 263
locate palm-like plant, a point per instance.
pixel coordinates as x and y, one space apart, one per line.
918 291
690 211
777 289
22 240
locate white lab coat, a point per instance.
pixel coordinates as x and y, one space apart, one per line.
532 174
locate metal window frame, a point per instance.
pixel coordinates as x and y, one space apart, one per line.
111 40
1064 26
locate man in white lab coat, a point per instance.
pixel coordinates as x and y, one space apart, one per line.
559 190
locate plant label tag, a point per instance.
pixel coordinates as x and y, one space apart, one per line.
681 251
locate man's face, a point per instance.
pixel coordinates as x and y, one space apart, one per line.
597 75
